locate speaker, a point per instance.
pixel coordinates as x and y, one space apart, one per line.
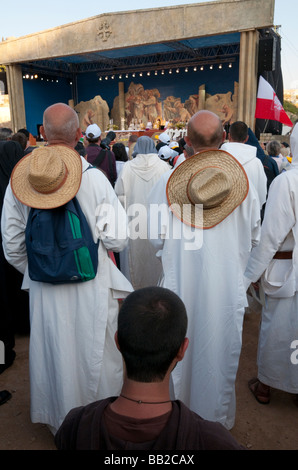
267 54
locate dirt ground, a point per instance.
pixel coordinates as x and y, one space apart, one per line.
257 427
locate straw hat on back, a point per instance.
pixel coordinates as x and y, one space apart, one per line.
48 177
212 180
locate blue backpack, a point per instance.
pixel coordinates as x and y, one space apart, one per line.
60 245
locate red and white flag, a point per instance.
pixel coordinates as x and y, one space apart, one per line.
268 105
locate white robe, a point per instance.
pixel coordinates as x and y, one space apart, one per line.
73 358
279 326
207 274
138 261
247 156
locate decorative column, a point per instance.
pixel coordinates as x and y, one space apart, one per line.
248 69
16 96
202 97
121 105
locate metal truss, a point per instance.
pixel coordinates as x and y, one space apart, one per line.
181 56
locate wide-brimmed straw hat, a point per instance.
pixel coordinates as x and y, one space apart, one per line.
48 177
212 180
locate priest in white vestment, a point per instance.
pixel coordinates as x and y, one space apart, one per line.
73 359
275 261
204 265
247 156
138 261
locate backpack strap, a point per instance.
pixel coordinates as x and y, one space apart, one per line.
112 176
100 158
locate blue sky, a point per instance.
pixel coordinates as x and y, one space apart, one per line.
31 16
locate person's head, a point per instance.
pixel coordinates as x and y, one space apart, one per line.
5 133
204 131
21 138
61 125
144 145
93 134
167 153
164 138
152 325
80 148
132 139
238 132
273 148
25 132
120 152
181 143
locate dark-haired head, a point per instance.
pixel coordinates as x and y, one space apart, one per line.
152 326
120 152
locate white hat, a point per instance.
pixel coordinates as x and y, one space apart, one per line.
164 138
93 131
173 145
166 153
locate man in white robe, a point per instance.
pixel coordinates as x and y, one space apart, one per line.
275 261
72 357
138 261
247 156
206 269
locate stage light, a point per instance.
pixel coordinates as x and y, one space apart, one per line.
148 73
220 66
162 72
202 68
177 70
106 77
230 65
186 69
155 73
120 76
170 71
211 67
195 69
100 79
133 74
126 76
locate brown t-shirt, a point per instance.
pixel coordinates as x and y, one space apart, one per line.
84 428
132 429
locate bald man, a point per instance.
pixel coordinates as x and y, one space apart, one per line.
207 273
73 358
61 125
205 131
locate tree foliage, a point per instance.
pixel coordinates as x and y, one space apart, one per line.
290 107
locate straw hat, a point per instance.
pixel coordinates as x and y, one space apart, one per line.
213 179
48 177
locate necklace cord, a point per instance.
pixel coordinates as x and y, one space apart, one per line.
145 402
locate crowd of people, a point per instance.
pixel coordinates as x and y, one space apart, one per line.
145 355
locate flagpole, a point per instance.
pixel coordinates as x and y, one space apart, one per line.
267 120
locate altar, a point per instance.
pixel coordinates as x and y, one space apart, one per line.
123 135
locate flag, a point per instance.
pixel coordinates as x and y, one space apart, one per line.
268 105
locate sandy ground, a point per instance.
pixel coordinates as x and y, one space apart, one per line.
257 427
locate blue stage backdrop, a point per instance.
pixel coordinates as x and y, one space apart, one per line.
39 94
